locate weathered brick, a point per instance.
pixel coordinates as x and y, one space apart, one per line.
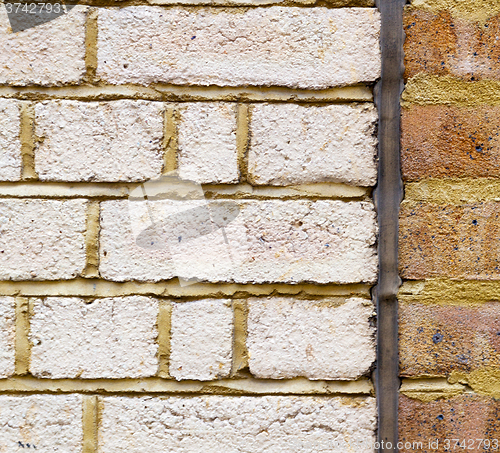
438 43
207 151
294 47
41 239
283 241
438 340
445 142
108 338
318 339
450 241
294 144
51 423
10 145
99 141
7 336
243 424
462 417
201 340
51 53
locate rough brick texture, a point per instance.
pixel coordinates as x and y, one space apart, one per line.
7 336
438 340
282 241
107 338
41 239
244 424
313 338
10 145
51 53
294 144
438 43
294 47
447 141
207 143
99 141
462 417
201 340
450 241
51 423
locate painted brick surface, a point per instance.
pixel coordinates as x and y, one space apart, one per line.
99 141
447 141
7 336
294 144
282 241
51 423
201 340
41 239
10 145
294 47
108 338
318 339
439 340
207 151
52 53
463 417
450 241
243 424
438 43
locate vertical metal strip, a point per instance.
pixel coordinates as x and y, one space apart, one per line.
388 195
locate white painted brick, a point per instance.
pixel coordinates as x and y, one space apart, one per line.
201 340
214 424
281 241
207 143
10 145
7 336
42 239
109 338
49 423
52 53
317 339
99 141
294 144
294 47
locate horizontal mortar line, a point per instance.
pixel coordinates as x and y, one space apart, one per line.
431 385
101 288
38 189
453 190
247 386
165 92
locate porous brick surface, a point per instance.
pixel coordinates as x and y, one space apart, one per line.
7 336
282 241
318 339
10 145
99 141
107 338
207 151
294 47
50 53
51 423
201 340
237 424
439 340
295 144
42 239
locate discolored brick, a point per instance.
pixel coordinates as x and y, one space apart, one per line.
423 426
437 340
440 44
450 241
444 142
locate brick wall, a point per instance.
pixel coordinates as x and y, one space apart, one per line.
449 321
142 312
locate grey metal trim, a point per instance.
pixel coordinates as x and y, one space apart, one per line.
387 196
